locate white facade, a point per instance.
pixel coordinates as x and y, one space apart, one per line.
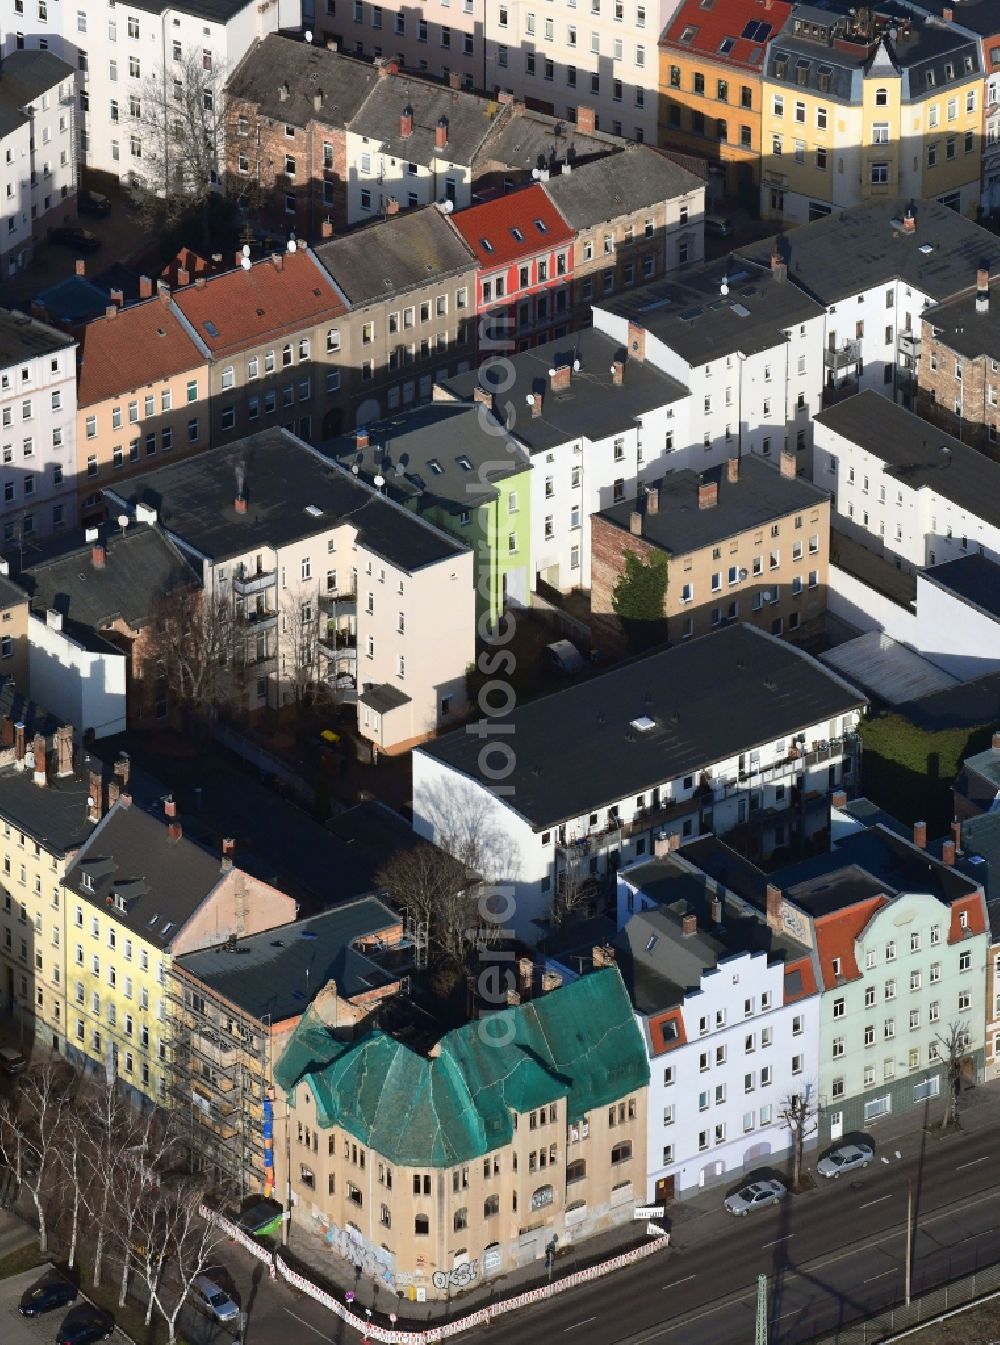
374 176
37 429
870 326
116 53
83 687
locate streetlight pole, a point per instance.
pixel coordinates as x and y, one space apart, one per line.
909 1237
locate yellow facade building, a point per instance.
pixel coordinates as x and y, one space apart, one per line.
858 105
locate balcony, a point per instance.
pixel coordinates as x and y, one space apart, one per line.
246 584
846 357
339 604
259 621
909 344
339 644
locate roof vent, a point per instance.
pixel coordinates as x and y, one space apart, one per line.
643 724
314 511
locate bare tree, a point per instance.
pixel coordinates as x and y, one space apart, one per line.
953 1047
33 1125
199 642
798 1111
437 891
574 889
465 824
69 1155
171 1232
299 641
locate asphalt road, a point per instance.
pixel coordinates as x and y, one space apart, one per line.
831 1255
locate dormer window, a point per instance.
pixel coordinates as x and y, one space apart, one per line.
836 966
87 881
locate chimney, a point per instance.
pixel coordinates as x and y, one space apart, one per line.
652 499
983 289
326 228
525 976
169 806
163 289
277 260
948 15
787 464
283 92
240 503
20 751
123 769
98 555
636 342
386 68
996 740
361 439
775 909
228 850
482 396
560 379
7 732
618 373
406 122
948 853
64 750
183 277
909 221
779 271
956 835
689 924
535 399
716 910
838 799
38 753
708 495
95 799
732 470
454 79
174 832
113 794
81 267
317 100
920 835
145 287
391 207
586 121
603 955
635 523
551 980
118 298
441 133
673 841
111 311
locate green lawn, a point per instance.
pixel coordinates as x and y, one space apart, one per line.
908 770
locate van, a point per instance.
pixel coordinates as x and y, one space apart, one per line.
213 1300
720 226
11 1060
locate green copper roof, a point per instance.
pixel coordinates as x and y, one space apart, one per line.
580 1042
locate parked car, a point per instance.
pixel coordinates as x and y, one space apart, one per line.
72 236
213 1300
84 1325
50 1292
12 1060
755 1196
845 1159
93 203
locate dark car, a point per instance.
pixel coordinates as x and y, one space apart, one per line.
93 203
72 236
48 1293
84 1325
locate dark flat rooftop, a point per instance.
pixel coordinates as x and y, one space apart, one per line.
973 578
56 815
709 699
405 252
23 338
308 70
959 324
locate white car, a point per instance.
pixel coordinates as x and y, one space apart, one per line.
755 1196
845 1159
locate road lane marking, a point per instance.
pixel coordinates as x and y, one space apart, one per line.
674 1283
972 1162
969 1236
894 1270
319 1333
578 1324
878 1201
784 1238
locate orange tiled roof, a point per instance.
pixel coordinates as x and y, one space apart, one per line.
138 345
723 32
495 222
807 981
835 937
973 908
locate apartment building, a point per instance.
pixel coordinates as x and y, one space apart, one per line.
472 1181
637 215
745 343
866 105
232 1010
729 1012
286 143
598 69
136 895
524 286
739 542
410 282
118 53
457 467
905 486
142 395
760 737
268 328
333 582
37 428
38 151
525 146
593 423
711 92
443 41
976 787
13 630
958 369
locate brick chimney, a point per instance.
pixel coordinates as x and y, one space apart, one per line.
636 342
114 793
326 228
618 373
40 776
163 289
240 503
386 68
145 287
95 798
996 740
909 221
560 379
586 120
123 769
948 14
111 311
551 980
786 464
732 470
361 439
391 207
535 401
635 523
708 495
454 79
228 850
779 271
838 799
183 277
169 806
20 749
7 732
948 853
483 396
98 555
920 835
525 977
689 924
406 122
81 267
283 92
441 133
775 909
118 298
603 955
652 499
983 289
956 835
174 832
277 260
64 750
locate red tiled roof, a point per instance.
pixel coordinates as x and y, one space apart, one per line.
240 308
137 346
973 907
727 19
191 262
666 1031
807 979
836 935
494 223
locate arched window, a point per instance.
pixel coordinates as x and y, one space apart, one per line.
881 97
541 1197
421 1225
576 1171
622 1152
491 1206
461 1219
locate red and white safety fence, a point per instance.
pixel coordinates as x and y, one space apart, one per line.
480 1317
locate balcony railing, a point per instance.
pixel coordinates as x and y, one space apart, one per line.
340 603
260 621
846 356
246 583
339 645
909 344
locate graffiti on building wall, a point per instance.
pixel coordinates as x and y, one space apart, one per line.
370 1260
459 1277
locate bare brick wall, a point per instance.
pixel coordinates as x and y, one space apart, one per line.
609 545
939 389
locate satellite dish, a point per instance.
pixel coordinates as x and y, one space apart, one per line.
724 287
292 245
379 481
744 574
529 397
246 263
308 35
354 468
246 249
576 366
552 373
536 173
123 520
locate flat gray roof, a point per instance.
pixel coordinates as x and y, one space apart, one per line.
468 115
636 177
410 251
24 338
276 61
974 578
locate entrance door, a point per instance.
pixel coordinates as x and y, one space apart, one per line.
664 1190
836 1124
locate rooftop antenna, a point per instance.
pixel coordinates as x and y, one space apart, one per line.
292 245
724 287
123 522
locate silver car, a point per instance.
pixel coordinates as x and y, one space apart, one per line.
845 1159
213 1300
755 1196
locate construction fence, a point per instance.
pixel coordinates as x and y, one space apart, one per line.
904 1317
